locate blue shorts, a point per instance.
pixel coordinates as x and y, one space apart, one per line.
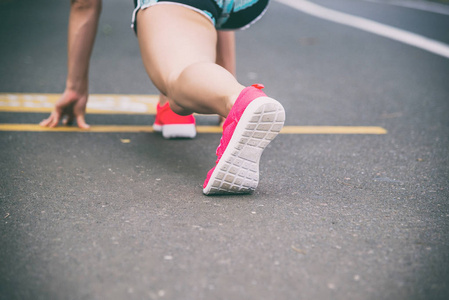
224 14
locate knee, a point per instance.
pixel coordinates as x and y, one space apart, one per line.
86 4
179 109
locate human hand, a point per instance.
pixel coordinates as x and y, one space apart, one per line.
71 106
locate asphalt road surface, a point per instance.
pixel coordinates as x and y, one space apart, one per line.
121 214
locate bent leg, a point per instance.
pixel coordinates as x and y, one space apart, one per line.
178 48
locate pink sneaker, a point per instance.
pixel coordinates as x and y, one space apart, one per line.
173 125
253 122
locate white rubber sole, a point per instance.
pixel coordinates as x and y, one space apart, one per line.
176 130
237 172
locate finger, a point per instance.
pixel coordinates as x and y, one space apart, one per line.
79 111
55 119
82 122
47 122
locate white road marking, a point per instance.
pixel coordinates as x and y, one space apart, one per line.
98 103
380 29
432 7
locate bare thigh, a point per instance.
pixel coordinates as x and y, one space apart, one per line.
172 38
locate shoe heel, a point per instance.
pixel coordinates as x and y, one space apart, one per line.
179 131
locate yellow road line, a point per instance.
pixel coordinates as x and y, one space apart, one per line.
333 130
132 104
200 129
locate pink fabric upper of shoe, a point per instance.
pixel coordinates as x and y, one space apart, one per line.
247 95
165 116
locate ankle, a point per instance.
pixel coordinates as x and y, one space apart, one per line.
230 101
162 100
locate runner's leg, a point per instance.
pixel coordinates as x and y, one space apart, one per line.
178 48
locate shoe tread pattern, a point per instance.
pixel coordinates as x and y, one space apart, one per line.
238 169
